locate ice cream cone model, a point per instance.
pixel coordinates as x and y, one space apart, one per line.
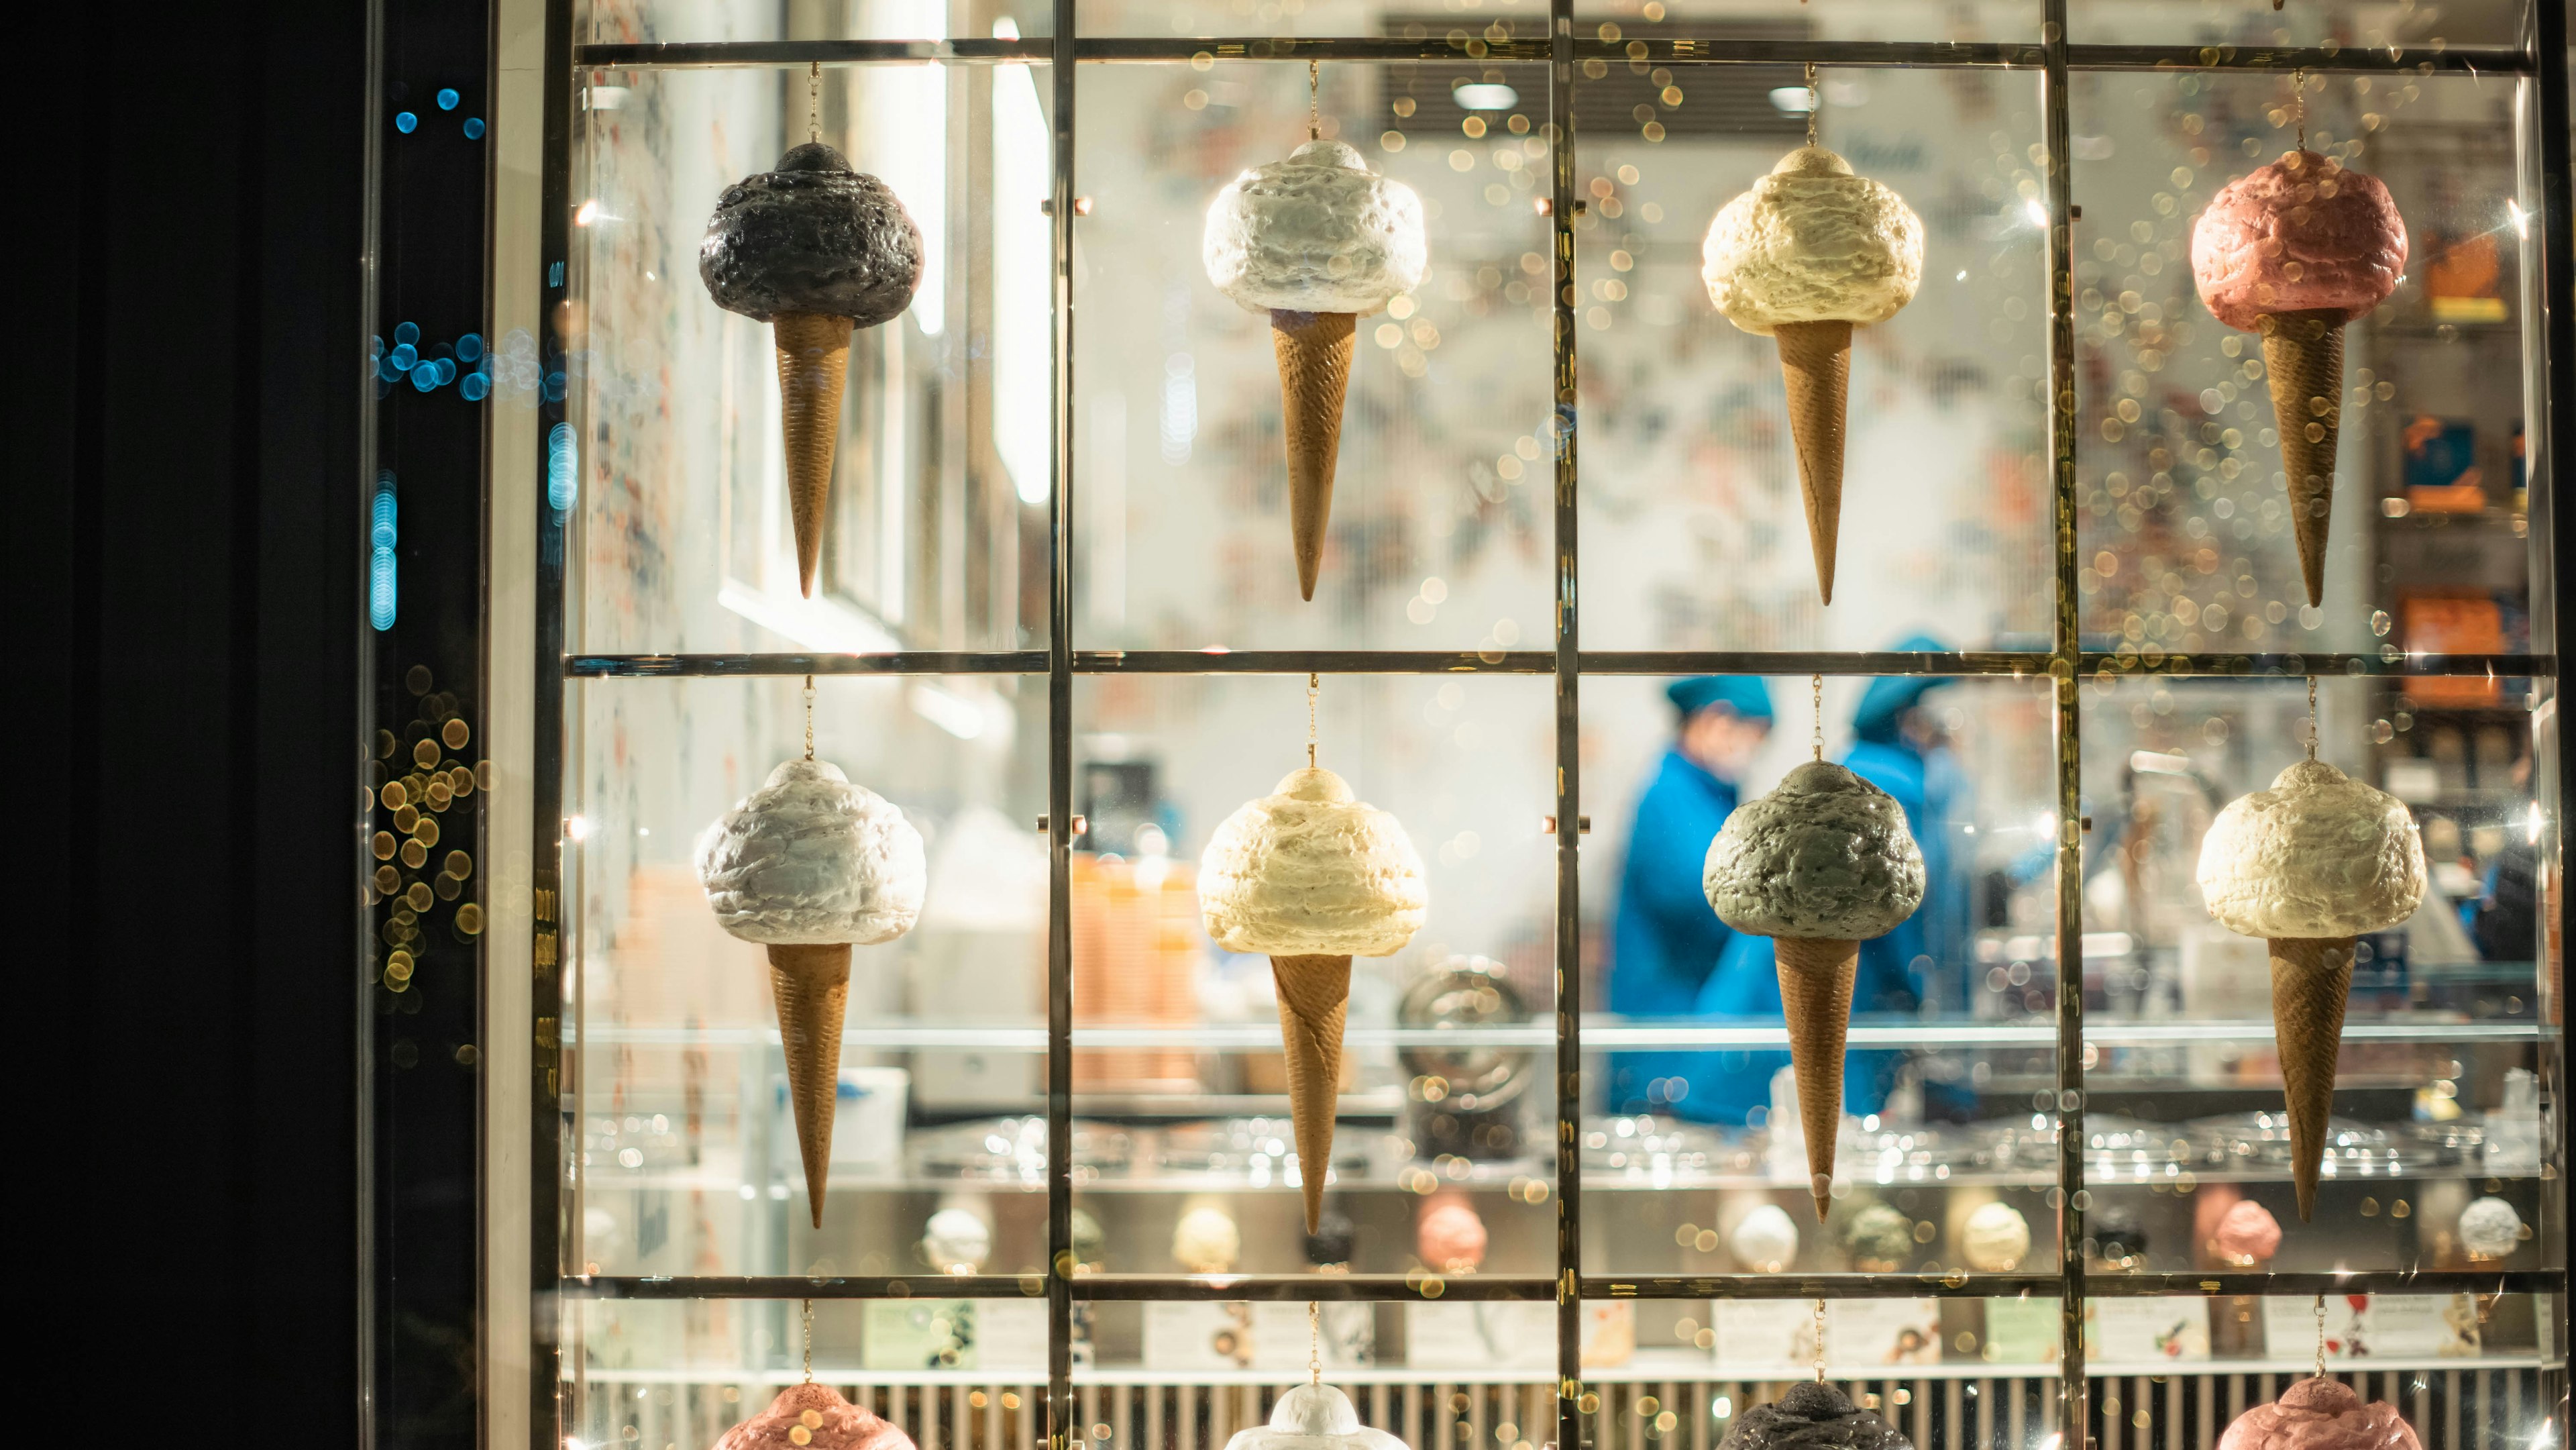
1313 1417
827 1422
809 866
2320 1414
1812 1415
1996 1238
1765 1241
1311 877
2292 252
1819 865
815 250
2308 865
1317 242
2247 1237
1811 252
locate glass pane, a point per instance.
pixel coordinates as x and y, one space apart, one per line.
934 532
2333 24
688 1148
1694 534
1439 509
624 22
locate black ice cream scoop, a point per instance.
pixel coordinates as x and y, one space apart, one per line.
1812 1416
815 250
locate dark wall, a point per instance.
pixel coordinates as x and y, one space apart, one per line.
184 539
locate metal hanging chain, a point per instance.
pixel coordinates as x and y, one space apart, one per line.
809 717
1816 688
2321 1336
2312 738
2298 97
1815 102
1820 1341
814 101
1314 1342
1314 100
809 1341
1314 682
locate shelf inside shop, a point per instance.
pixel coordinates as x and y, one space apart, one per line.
1649 1367
1599 1033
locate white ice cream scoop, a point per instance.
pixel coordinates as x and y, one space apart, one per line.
1313 1417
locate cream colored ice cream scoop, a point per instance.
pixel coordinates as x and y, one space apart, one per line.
2308 865
810 865
1811 252
1312 877
2490 1229
1820 864
1996 1238
1206 1240
1764 1241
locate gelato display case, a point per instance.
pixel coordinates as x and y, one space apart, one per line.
1583 723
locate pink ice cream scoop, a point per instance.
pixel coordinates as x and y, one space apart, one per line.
2320 1414
2294 252
2299 235
814 1417
2249 1234
1450 1238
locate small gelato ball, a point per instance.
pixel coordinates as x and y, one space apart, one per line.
1826 855
1330 1243
1309 871
1879 1237
2248 1234
2490 1229
812 236
810 859
1318 232
827 1422
1765 1240
2320 1414
2119 1238
1812 1416
1313 1417
955 1241
1206 1241
1090 1245
2318 855
1996 1239
1451 1238
2299 235
1811 242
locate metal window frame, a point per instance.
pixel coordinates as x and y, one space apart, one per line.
2540 59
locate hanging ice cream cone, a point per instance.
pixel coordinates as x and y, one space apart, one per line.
1815 361
2303 361
1314 1003
813 363
811 985
1314 350
2311 976
1815 995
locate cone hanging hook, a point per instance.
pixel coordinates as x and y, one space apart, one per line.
1314 100
1820 1341
1816 688
814 101
1314 1342
809 717
809 1341
2321 1336
1314 683
2312 717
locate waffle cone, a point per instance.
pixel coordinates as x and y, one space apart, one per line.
1314 1003
811 985
1314 351
1815 995
1815 361
2311 976
813 363
2303 359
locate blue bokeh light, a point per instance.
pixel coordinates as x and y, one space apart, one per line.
382 534
470 346
447 98
403 356
406 122
473 128
476 387
407 332
446 370
563 468
387 369
425 377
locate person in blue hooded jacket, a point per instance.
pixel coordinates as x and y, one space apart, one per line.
1665 941
1901 746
